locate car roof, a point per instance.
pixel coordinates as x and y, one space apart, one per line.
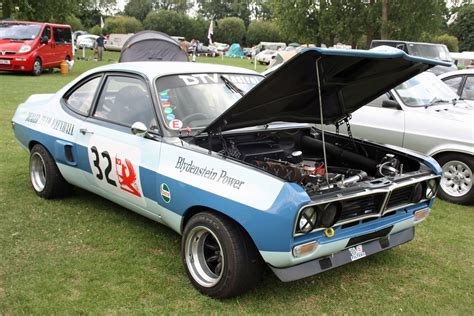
153 69
457 73
33 23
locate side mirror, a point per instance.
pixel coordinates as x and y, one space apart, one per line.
139 129
44 40
391 104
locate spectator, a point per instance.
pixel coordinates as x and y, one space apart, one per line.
100 47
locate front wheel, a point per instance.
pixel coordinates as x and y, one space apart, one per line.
456 183
37 67
220 259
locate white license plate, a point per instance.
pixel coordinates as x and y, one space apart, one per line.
357 252
5 61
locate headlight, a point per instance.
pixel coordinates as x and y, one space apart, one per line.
307 220
431 187
329 215
24 49
417 194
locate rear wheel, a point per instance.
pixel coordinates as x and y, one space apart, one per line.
45 177
37 67
220 259
456 183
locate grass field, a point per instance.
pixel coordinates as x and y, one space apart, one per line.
84 255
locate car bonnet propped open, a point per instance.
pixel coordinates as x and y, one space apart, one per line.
349 79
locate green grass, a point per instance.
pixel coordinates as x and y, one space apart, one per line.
84 254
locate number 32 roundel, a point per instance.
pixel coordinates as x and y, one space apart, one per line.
114 171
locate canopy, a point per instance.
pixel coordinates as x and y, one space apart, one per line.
235 51
152 46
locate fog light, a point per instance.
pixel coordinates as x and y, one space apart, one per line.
305 249
329 215
421 214
431 187
307 220
20 59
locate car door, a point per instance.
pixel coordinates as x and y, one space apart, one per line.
122 164
379 121
46 51
467 92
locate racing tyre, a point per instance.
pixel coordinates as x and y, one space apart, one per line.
37 67
456 184
220 259
45 177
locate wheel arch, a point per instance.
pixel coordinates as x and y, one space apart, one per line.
441 153
193 210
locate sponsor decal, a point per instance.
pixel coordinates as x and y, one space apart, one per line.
164 98
50 122
165 193
219 176
357 252
170 117
164 93
127 176
175 124
195 79
167 110
165 104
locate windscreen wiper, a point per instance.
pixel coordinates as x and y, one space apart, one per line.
231 86
436 101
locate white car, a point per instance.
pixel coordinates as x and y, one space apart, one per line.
423 114
461 82
233 161
86 41
266 56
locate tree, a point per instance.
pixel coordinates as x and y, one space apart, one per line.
298 20
218 9
463 27
261 31
230 30
139 9
262 9
74 22
122 24
169 22
180 6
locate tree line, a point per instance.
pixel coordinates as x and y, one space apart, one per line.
352 22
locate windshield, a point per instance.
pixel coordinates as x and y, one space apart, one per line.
195 100
19 31
424 89
438 52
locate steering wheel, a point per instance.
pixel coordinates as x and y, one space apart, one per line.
194 116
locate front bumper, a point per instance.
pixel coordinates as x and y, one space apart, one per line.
18 62
345 256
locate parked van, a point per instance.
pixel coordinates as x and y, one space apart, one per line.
34 46
427 50
116 41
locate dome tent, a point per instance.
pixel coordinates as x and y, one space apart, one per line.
151 46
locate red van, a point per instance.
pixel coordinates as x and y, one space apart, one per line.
34 46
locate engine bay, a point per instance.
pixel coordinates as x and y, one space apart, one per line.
297 155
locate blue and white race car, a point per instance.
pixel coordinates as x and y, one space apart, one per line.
238 164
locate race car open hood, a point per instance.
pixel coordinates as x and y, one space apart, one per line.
349 79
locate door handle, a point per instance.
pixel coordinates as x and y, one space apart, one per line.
84 131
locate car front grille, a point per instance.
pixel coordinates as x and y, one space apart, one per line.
400 196
361 206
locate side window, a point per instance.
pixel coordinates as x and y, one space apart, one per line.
80 100
62 35
125 100
468 91
47 32
378 102
453 83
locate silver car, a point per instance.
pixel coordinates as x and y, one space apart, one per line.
425 115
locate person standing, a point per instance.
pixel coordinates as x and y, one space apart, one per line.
100 47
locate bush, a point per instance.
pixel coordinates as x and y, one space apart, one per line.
122 24
74 22
262 31
450 41
95 30
230 30
169 22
